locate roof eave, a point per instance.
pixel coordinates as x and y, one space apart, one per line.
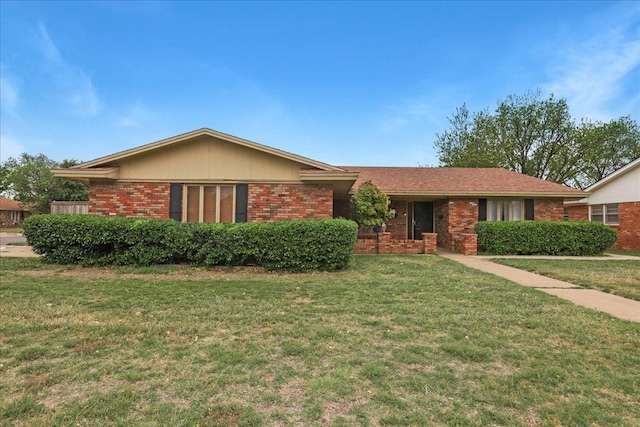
482 194
87 174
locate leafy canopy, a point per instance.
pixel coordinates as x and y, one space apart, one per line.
538 137
29 180
371 205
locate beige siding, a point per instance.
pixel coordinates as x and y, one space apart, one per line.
207 159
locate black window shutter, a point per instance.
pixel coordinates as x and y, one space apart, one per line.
242 199
528 209
482 209
175 202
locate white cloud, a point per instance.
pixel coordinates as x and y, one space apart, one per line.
78 90
594 74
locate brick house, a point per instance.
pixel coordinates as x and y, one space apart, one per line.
12 212
208 176
614 201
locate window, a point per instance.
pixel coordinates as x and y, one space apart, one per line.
606 214
504 210
15 217
208 203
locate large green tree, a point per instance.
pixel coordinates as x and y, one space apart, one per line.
537 136
29 180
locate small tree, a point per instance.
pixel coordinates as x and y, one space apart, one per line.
371 205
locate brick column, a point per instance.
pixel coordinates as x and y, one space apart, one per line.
430 242
384 243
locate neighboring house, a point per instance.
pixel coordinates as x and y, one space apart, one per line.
12 212
208 176
614 201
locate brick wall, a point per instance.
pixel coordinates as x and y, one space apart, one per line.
129 199
397 226
6 221
629 227
441 212
459 217
548 210
382 243
273 202
578 213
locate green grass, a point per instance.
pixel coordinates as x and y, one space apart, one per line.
393 340
618 277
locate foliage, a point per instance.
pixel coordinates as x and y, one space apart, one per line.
286 245
538 137
370 205
29 180
607 147
575 238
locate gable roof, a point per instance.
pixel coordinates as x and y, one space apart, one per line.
615 175
101 162
491 182
12 205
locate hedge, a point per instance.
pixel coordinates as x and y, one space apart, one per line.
299 245
575 238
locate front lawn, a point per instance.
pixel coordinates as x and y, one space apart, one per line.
393 340
618 277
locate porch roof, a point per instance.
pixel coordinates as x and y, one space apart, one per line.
480 182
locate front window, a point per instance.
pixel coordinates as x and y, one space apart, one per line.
208 203
504 210
606 214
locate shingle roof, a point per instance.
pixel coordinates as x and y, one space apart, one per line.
12 205
452 181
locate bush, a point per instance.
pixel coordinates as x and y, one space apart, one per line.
285 245
575 238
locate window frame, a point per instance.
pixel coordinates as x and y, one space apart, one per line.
185 200
496 206
604 211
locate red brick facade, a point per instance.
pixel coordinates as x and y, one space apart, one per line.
548 210
454 218
397 225
628 228
12 219
382 243
273 202
129 199
578 213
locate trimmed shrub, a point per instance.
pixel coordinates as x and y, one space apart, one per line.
575 238
285 245
325 244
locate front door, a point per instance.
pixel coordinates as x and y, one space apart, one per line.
422 219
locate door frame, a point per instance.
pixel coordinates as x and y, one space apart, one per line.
411 220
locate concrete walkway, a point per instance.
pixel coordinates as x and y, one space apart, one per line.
616 306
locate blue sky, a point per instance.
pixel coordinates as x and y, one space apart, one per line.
347 83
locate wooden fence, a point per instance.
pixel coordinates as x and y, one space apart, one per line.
77 208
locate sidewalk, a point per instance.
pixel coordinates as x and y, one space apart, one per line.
17 251
614 305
